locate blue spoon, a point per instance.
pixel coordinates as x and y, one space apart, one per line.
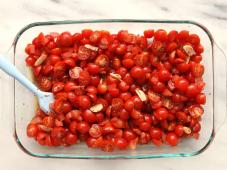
44 98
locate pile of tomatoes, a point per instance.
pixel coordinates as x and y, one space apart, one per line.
115 91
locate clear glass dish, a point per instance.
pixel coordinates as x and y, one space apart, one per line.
215 109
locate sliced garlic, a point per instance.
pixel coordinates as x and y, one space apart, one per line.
187 60
116 76
41 59
167 103
96 108
45 128
141 95
197 112
172 54
91 47
189 50
187 130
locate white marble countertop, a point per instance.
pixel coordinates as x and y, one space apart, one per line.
16 14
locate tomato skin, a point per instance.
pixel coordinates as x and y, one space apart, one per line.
163 75
156 133
84 102
30 49
129 105
157 48
93 68
148 33
182 116
73 126
71 138
121 143
30 61
32 130
145 126
58 132
95 131
194 39
199 49
179 131
70 62
201 98
160 35
41 138
89 116
161 114
44 83
182 84
102 88
86 33
197 70
192 90
183 35
172 139
65 39
83 127
48 121
172 36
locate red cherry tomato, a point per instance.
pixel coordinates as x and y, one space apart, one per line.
161 114
71 138
65 39
172 139
32 130
121 143
83 127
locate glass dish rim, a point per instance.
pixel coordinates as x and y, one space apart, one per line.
34 24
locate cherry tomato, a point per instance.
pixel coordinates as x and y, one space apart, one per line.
84 102
71 138
181 84
44 83
145 126
93 68
161 114
30 61
197 70
58 132
129 105
160 35
83 127
194 39
121 143
65 39
156 133
201 98
148 33
157 48
172 35
179 130
95 131
172 139
89 116
32 130
163 75
192 90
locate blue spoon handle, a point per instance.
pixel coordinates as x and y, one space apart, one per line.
11 70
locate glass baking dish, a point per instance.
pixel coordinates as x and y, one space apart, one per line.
215 108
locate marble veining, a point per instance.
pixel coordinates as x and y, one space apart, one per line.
16 14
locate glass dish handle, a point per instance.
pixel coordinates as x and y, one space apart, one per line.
220 87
